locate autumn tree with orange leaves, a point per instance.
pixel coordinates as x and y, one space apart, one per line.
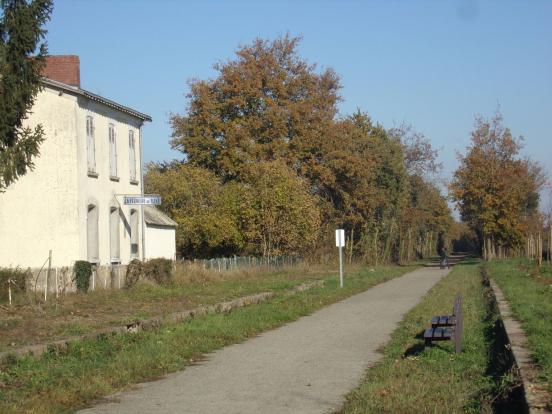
497 191
268 131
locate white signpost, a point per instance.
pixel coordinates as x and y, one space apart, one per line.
340 243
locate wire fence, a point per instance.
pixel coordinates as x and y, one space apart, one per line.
222 264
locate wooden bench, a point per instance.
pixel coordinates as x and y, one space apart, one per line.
448 327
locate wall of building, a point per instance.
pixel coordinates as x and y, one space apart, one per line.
38 212
103 190
160 242
47 208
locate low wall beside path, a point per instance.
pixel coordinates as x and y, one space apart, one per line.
60 279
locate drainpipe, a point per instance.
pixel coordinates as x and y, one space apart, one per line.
142 191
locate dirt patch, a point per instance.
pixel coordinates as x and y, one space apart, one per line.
155 322
30 322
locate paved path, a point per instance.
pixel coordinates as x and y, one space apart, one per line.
304 367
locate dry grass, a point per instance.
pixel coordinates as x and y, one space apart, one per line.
33 321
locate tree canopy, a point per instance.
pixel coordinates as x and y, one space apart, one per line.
22 54
266 104
267 132
496 191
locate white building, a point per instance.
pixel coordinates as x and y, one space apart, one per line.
160 234
71 203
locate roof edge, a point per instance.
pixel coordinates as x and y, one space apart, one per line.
92 96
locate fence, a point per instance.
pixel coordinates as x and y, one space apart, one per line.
222 264
57 281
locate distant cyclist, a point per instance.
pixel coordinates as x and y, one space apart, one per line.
445 259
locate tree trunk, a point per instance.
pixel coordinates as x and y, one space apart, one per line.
539 250
376 246
409 249
550 245
351 246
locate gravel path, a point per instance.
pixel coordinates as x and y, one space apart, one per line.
306 366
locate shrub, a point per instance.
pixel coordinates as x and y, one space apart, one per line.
156 270
82 270
18 278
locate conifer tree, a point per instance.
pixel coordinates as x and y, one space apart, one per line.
22 56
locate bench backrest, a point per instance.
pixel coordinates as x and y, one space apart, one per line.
457 310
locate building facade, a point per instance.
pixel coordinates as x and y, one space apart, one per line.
72 202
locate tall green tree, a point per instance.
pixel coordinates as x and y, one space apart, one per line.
22 55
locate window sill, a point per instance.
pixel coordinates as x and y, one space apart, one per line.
134 182
93 174
113 178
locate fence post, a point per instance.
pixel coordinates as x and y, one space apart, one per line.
9 291
57 288
48 275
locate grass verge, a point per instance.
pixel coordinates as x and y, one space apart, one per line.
415 379
528 290
91 369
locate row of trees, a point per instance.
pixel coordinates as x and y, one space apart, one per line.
497 191
270 167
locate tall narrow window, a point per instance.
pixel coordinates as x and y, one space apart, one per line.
132 155
112 151
114 246
133 233
92 246
90 145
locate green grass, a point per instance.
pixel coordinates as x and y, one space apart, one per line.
415 379
91 369
529 293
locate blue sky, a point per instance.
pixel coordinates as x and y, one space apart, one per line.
433 64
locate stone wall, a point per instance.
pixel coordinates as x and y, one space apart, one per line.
104 277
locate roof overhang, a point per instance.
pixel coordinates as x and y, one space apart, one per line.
97 98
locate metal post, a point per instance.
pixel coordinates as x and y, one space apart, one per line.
340 266
340 243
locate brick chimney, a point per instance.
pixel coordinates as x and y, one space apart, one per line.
63 68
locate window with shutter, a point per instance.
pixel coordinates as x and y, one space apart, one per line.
134 233
132 155
92 245
112 151
90 145
114 239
